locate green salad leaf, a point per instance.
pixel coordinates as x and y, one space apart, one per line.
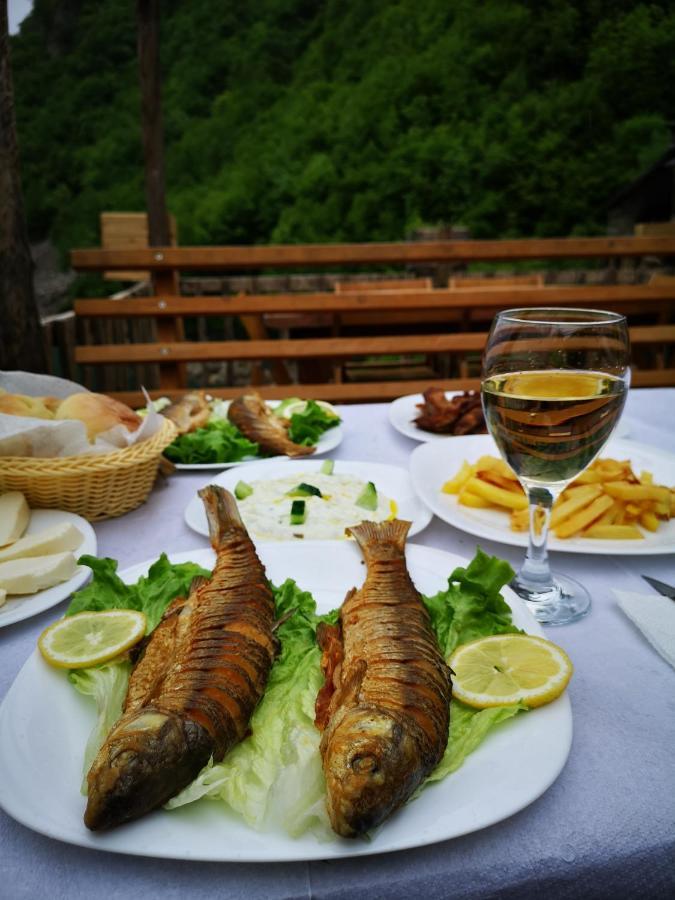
107 684
217 441
274 778
307 426
151 594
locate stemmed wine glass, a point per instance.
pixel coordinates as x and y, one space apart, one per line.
553 386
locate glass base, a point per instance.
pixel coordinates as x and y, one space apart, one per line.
565 602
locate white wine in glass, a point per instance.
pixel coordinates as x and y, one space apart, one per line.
553 388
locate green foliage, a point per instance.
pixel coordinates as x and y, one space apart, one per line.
329 120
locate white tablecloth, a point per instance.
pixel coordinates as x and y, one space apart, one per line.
606 827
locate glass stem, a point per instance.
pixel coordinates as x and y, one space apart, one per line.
535 574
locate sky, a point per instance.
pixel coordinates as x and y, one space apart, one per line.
17 12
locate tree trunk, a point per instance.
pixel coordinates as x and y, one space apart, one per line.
151 118
21 345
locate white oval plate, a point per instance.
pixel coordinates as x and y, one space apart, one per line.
393 481
403 411
328 441
44 724
431 465
21 607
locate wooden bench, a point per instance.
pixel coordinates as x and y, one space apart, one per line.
452 321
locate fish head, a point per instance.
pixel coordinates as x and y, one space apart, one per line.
130 773
370 761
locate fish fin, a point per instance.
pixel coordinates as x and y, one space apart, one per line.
369 534
348 692
222 513
197 582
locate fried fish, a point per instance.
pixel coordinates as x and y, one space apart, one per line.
192 411
193 692
385 705
258 423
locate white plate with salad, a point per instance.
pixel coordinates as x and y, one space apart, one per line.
222 439
283 499
45 724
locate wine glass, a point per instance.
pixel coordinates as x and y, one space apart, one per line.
553 387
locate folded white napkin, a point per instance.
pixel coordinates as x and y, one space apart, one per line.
654 615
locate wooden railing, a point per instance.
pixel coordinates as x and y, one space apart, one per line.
441 323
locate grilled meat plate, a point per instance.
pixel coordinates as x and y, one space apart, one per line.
193 692
461 414
192 411
258 423
385 705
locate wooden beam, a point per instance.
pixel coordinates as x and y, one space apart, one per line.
280 256
169 305
189 351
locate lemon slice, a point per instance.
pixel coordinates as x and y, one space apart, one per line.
90 638
509 668
299 407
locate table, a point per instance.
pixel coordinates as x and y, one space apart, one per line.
606 827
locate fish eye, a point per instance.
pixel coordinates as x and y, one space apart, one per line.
364 764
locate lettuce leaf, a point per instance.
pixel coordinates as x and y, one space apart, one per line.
218 441
107 684
307 427
151 594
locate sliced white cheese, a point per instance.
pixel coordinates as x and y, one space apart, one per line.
27 576
57 539
14 516
3 596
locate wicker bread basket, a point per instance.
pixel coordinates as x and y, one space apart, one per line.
96 487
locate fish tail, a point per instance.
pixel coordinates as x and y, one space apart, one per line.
222 514
370 536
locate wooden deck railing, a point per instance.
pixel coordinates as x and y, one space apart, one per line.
445 323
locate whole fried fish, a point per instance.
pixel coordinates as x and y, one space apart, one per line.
384 708
192 694
258 423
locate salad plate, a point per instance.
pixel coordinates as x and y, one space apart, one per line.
18 607
327 442
431 465
44 725
392 481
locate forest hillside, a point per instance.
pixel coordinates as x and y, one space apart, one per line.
303 120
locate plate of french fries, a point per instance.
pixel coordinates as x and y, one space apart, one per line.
623 503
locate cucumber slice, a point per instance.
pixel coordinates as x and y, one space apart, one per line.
367 499
305 490
242 490
298 512
327 467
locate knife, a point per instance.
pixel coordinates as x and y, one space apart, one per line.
661 587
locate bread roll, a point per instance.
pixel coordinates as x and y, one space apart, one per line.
23 405
98 412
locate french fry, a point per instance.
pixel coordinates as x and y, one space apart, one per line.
581 498
466 498
584 517
454 485
649 521
623 491
496 495
498 466
614 532
606 501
